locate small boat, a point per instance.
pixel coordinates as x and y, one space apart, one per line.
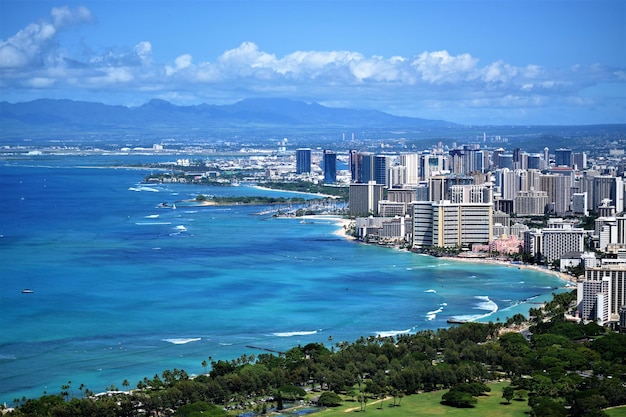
27 291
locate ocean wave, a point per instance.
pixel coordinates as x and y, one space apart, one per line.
181 228
152 223
392 333
8 357
182 341
153 190
430 291
485 304
151 216
290 334
431 315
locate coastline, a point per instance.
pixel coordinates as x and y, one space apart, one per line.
568 279
342 223
259 187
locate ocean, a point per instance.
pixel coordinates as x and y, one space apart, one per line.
124 289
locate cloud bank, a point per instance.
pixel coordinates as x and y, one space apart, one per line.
433 84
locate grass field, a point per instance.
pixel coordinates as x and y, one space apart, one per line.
428 404
617 412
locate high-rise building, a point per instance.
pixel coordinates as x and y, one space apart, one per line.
559 190
505 161
366 169
330 167
608 187
461 224
464 194
530 203
431 165
403 195
411 162
534 161
364 198
563 157
557 241
609 282
446 224
579 160
381 164
355 164
422 224
579 204
303 160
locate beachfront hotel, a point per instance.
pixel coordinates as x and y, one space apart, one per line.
364 198
603 292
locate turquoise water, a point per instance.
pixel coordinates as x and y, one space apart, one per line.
124 289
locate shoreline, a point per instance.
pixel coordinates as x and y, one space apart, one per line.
260 187
568 279
340 221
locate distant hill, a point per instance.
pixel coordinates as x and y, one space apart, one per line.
72 115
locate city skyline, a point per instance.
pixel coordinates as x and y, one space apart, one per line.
466 62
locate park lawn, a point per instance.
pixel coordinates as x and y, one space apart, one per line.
616 412
429 404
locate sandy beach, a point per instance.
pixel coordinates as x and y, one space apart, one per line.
480 260
259 187
342 222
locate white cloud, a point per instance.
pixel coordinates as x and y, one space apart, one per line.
441 67
33 59
64 16
182 62
34 45
144 51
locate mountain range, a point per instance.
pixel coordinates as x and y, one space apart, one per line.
159 114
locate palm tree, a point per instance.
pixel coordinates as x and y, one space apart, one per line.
204 365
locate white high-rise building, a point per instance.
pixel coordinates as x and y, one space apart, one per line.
559 240
411 162
603 291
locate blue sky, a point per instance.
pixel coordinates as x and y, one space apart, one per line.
465 61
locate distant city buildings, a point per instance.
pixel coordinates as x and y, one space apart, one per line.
330 167
501 201
303 161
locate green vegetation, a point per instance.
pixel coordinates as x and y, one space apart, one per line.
256 200
616 412
308 187
564 369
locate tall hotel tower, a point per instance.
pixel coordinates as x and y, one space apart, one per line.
330 167
303 160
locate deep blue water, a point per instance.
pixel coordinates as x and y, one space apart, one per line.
124 289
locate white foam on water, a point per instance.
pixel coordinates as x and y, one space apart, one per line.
391 333
182 341
290 334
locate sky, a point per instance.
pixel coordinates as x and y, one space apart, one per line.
496 62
